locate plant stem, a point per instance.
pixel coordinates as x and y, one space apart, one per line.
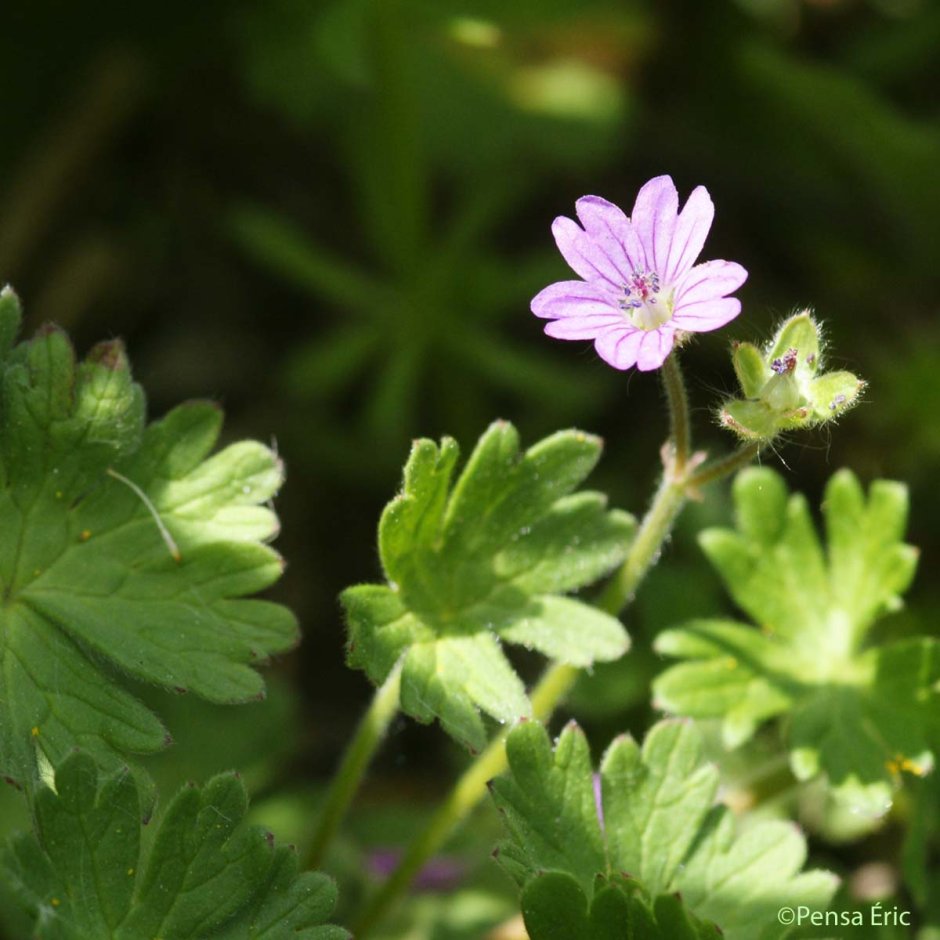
546 696
644 552
558 679
359 752
466 794
679 429
724 466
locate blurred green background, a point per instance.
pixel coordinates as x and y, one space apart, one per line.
330 215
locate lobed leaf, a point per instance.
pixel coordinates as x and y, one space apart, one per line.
641 850
858 714
124 549
83 874
481 560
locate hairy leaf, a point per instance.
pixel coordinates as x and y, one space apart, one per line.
124 549
83 876
641 850
484 559
859 714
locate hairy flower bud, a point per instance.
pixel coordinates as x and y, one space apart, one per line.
783 387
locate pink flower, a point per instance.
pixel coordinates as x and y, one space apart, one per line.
641 284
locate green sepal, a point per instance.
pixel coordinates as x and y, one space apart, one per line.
783 387
799 332
666 861
481 559
858 714
750 368
85 874
833 392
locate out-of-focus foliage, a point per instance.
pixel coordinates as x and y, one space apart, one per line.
859 714
83 873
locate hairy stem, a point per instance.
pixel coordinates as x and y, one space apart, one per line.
644 553
359 753
724 466
680 433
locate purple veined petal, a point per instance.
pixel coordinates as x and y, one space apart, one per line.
654 220
619 346
654 347
706 314
586 327
709 281
692 228
572 299
611 230
586 258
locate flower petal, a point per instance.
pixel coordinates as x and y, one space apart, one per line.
572 299
586 257
709 281
619 346
586 327
706 314
654 347
692 227
611 230
654 220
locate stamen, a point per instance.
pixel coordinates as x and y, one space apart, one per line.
785 364
640 288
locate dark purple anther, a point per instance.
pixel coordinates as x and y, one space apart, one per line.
785 364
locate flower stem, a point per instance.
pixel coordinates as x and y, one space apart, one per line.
644 553
359 752
558 679
724 466
679 428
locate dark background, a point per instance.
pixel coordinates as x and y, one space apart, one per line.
331 216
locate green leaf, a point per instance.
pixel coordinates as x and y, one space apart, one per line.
125 548
83 875
783 386
689 872
549 806
481 560
554 907
858 714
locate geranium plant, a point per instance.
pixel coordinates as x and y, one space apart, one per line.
131 554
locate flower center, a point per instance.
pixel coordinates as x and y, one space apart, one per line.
642 301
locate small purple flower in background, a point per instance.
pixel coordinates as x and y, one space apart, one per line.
441 873
641 284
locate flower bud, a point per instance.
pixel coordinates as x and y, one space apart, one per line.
783 387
